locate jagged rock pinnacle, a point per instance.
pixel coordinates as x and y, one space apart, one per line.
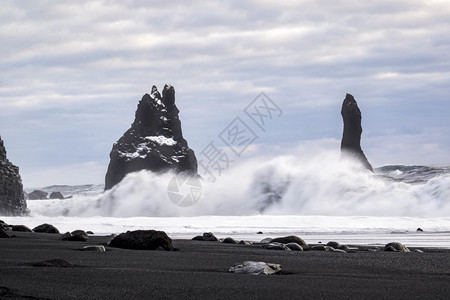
351 137
154 142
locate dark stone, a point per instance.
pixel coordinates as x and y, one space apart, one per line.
351 137
419 229
335 245
290 239
56 195
46 228
229 240
207 236
89 232
21 228
53 263
37 195
80 233
154 142
294 247
142 240
259 232
275 246
396 247
12 200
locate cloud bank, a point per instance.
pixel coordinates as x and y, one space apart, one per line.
73 72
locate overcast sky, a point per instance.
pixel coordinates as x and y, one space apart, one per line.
72 73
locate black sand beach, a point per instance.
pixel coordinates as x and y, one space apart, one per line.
199 270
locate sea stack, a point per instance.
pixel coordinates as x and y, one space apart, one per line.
12 201
351 138
154 142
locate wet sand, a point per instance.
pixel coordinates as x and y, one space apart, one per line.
199 270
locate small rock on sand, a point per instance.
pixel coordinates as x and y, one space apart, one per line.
256 268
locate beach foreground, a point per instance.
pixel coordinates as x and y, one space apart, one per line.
199 270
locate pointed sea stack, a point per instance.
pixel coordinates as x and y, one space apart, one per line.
12 201
351 138
154 142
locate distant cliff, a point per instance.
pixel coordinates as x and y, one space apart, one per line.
351 137
154 142
12 201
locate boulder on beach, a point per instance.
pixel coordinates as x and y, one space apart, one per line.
21 228
290 239
351 136
275 246
46 228
77 237
142 240
207 236
80 233
56 195
154 142
37 195
229 240
12 200
338 246
396 247
294 247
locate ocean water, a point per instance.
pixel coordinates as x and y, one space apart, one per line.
318 197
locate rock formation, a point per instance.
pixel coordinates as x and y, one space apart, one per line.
154 142
12 201
351 138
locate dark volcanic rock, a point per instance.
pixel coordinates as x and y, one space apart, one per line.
56 195
351 137
275 246
37 195
290 239
21 228
142 240
154 142
294 247
396 247
12 201
207 236
80 233
46 228
229 240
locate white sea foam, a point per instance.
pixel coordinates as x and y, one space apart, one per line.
290 194
284 185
